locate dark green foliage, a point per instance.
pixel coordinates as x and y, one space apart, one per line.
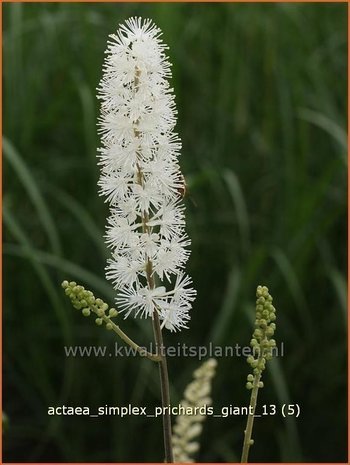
261 94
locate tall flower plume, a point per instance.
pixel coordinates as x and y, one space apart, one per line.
141 178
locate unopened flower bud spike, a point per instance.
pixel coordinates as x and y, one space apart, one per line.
262 344
79 295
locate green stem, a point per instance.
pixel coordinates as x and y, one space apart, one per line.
165 391
143 352
163 374
250 421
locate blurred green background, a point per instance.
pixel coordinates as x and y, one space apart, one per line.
261 94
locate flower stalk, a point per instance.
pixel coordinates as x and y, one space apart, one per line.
262 345
165 390
141 180
157 330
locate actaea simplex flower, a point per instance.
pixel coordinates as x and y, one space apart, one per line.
141 178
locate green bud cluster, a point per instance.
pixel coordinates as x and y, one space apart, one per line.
84 300
262 341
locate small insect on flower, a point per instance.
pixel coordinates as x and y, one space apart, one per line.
184 191
141 178
183 188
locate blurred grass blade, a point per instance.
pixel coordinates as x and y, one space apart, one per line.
329 126
65 266
42 381
340 287
71 270
28 251
222 447
17 163
290 444
82 215
225 315
89 118
295 289
235 190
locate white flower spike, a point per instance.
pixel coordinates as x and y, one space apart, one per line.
141 178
